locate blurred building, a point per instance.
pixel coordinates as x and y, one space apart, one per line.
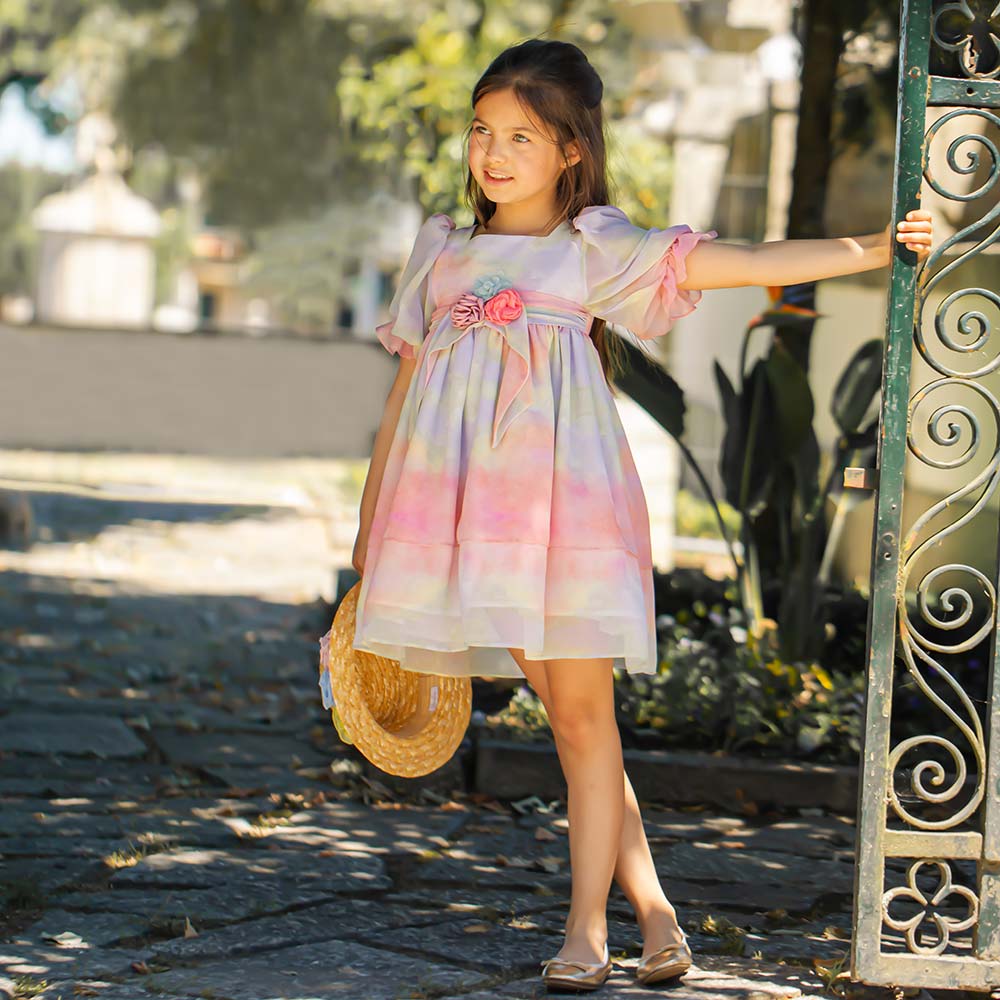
96 260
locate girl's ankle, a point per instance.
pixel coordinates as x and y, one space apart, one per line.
595 935
656 917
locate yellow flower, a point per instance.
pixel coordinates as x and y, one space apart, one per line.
822 676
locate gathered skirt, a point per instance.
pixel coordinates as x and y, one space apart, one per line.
537 542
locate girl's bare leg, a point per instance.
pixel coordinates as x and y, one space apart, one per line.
581 696
634 870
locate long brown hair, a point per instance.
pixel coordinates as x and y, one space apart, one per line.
556 81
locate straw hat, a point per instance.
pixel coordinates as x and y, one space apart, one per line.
406 723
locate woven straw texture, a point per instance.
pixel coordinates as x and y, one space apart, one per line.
405 723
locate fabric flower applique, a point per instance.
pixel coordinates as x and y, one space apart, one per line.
467 310
489 284
504 307
493 297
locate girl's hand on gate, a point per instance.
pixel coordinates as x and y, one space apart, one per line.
915 231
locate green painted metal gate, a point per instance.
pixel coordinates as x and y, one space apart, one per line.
927 886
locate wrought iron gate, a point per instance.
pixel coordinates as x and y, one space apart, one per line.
927 882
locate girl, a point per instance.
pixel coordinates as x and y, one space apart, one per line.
503 528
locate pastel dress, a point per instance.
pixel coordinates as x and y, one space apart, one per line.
510 513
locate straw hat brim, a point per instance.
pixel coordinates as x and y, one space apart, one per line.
406 723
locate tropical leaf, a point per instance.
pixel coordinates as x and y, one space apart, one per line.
857 386
793 399
654 389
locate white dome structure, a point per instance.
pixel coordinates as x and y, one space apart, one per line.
96 262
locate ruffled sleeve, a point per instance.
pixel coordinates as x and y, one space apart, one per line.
409 309
631 274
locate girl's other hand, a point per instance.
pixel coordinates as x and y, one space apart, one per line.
359 553
915 231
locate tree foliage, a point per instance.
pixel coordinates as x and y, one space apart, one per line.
410 98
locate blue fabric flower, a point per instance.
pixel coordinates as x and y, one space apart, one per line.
489 284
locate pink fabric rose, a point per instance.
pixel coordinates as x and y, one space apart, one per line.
504 307
467 310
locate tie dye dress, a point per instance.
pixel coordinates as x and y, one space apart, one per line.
510 512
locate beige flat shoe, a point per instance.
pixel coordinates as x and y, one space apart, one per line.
561 973
673 960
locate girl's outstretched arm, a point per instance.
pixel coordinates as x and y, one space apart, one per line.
787 262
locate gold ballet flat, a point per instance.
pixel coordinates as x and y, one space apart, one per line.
673 960
561 973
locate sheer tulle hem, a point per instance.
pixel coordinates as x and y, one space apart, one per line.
476 643
455 609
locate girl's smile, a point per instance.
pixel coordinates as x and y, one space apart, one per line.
495 178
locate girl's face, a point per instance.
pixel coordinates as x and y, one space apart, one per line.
514 157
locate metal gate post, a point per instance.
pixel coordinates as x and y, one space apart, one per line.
905 855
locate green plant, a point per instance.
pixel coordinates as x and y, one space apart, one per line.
28 986
732 938
770 463
695 518
721 688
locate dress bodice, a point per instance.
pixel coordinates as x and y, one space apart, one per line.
548 264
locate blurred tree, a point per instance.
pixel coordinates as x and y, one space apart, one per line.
30 34
407 96
245 90
21 188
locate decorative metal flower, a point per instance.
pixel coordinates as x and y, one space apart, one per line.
971 29
944 925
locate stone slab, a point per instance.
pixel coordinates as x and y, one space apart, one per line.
57 847
344 918
492 947
271 778
233 749
347 826
99 989
292 875
698 861
76 777
55 822
167 906
79 735
51 874
447 872
94 930
329 969
747 896
49 962
809 836
478 901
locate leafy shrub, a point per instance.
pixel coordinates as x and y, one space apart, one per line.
720 688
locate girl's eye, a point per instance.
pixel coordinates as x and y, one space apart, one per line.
482 129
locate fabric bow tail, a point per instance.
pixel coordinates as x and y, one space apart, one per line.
514 395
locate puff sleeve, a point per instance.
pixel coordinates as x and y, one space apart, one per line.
410 309
631 274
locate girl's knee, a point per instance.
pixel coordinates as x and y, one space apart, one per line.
577 719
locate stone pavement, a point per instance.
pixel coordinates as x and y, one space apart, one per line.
179 819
